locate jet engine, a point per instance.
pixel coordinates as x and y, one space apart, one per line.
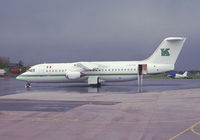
73 75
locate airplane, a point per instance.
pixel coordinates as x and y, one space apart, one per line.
94 73
175 75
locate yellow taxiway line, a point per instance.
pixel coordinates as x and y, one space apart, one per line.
189 128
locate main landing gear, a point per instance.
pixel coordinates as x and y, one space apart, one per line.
98 85
94 81
28 85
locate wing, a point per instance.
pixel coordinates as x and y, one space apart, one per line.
88 65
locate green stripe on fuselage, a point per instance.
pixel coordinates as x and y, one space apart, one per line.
125 74
54 75
41 75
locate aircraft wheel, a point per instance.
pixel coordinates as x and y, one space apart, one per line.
96 85
28 85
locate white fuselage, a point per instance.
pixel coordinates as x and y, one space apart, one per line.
112 71
163 59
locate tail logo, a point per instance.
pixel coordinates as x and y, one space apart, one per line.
165 52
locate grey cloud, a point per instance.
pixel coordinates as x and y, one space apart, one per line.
76 30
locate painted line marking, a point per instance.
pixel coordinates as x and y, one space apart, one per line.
76 120
191 128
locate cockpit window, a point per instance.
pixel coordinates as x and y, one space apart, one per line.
31 70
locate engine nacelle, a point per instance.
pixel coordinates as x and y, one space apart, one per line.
73 75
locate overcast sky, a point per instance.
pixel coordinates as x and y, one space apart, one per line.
38 31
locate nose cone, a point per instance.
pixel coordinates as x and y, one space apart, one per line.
22 76
18 77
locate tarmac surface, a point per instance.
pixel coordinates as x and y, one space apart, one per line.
13 86
169 111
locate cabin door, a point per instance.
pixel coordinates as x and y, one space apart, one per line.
142 69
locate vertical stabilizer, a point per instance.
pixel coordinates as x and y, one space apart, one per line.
185 73
167 52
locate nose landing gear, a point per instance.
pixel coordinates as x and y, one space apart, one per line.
28 85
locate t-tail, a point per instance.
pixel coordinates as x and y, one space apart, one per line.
165 56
